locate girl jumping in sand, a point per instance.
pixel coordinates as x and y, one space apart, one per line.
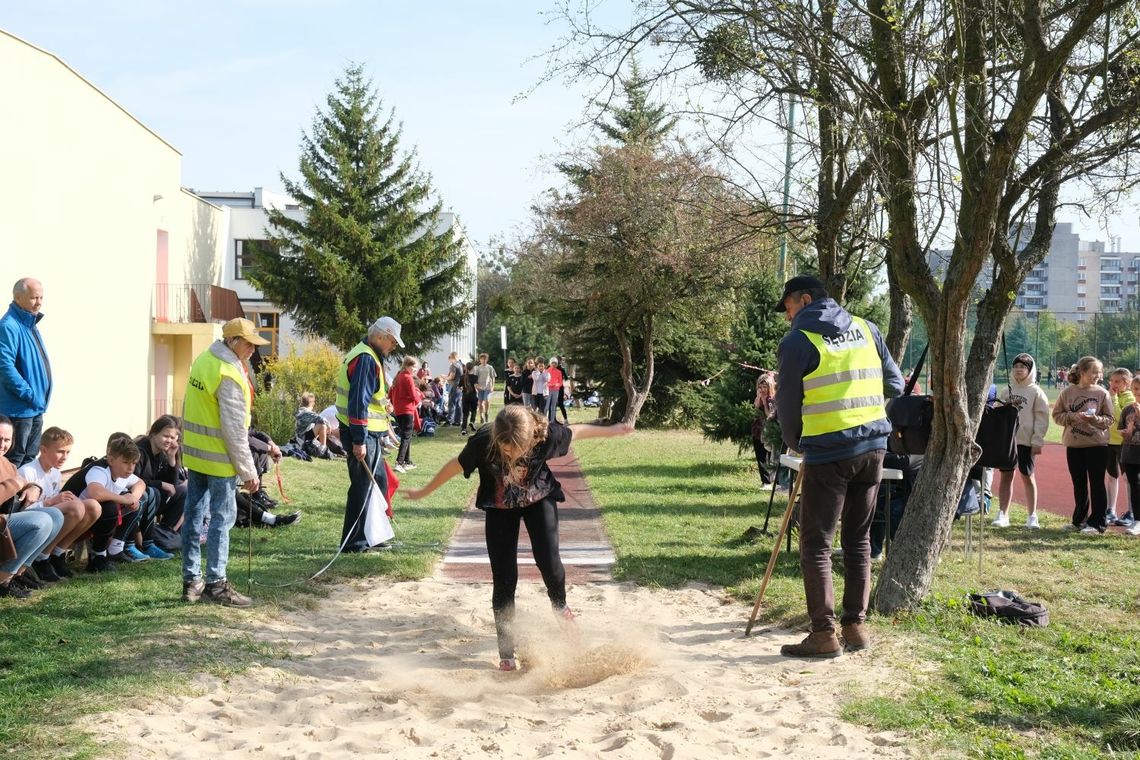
516 485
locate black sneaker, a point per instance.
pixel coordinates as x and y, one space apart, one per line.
263 500
98 563
26 582
15 592
59 564
283 520
122 557
463 431
224 593
46 571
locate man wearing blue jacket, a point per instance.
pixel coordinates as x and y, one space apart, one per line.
834 375
25 372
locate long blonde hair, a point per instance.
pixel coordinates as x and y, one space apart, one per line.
520 428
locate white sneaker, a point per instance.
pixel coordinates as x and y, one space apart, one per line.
409 466
1089 530
1031 522
765 486
1133 529
1002 520
399 467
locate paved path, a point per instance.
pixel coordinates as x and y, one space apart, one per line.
586 551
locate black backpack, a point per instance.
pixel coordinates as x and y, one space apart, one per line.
1010 608
78 480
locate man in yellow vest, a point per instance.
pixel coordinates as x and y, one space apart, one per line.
215 450
362 410
834 375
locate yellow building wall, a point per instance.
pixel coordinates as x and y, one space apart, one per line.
85 189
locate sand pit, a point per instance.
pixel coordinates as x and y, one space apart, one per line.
408 669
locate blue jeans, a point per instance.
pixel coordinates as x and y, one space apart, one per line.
218 496
352 533
455 405
25 440
32 531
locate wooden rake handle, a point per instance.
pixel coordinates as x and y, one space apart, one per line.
792 496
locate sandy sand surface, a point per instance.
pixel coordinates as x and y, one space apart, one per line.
408 669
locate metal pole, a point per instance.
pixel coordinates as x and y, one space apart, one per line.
787 191
1037 338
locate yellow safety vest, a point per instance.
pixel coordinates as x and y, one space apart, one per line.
203 447
846 389
377 405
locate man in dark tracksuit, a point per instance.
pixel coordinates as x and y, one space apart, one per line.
834 375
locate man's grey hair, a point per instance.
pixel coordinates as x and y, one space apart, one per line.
376 332
21 286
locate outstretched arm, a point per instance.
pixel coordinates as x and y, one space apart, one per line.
446 473
599 431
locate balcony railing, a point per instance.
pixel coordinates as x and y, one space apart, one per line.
180 303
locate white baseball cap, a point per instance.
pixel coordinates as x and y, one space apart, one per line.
390 326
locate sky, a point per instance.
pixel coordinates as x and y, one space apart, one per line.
232 85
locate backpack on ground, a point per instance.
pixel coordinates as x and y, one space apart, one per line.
428 426
1010 608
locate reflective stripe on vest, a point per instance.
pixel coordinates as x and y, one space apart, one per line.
377 405
846 389
203 445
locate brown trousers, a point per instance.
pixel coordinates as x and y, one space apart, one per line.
838 490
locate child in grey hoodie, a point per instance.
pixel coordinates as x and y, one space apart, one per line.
1032 425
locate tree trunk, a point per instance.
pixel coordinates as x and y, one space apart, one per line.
909 568
902 318
635 396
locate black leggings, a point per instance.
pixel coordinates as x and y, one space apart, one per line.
1132 473
470 409
405 428
562 403
1086 468
762 461
502 533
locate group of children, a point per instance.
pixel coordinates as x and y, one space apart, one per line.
128 504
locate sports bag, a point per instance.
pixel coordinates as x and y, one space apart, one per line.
997 431
1010 608
911 416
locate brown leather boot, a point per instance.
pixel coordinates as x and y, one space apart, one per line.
819 644
855 637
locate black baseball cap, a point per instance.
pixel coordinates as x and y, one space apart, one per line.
797 284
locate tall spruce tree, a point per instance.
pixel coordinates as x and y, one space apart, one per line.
370 242
637 120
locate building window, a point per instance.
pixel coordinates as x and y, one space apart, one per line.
268 325
243 255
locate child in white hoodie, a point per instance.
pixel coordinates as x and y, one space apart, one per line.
1032 425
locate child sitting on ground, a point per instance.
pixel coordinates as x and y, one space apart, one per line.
78 514
125 499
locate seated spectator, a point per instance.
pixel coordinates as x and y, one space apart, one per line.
439 396
260 504
32 531
126 502
45 489
160 467
426 408
312 431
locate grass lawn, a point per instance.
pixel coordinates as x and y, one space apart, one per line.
677 506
